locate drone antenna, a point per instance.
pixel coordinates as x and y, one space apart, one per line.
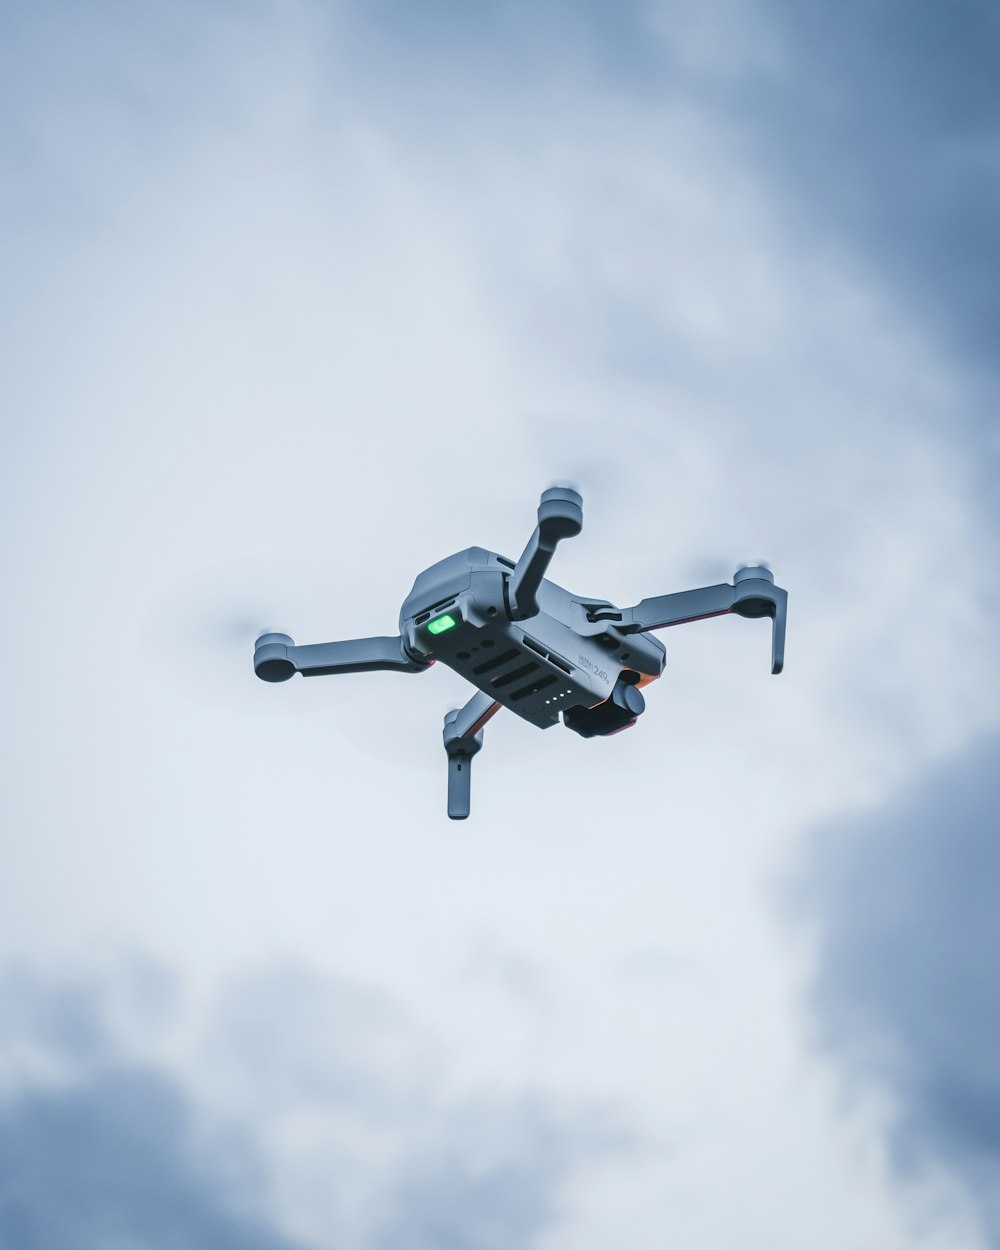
560 515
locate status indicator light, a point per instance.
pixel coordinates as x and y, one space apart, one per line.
441 624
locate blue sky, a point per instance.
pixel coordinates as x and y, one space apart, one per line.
300 298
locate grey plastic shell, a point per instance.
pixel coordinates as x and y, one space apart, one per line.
539 667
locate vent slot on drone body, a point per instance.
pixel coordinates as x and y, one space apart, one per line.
435 607
552 659
515 673
496 662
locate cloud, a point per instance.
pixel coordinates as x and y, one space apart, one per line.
887 133
492 1182
367 1133
304 296
308 1114
97 1147
907 989
112 1162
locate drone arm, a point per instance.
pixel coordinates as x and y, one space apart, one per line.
528 576
752 594
777 609
678 609
470 720
560 515
277 658
463 738
358 655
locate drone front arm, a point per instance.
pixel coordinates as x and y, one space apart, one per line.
678 609
463 738
277 658
752 594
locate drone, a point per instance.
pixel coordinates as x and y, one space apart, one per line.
527 644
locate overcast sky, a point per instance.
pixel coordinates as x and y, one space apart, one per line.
299 298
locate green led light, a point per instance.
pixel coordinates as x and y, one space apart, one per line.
441 623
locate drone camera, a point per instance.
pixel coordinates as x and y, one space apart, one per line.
619 712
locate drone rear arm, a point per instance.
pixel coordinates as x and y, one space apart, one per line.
277 658
560 515
752 594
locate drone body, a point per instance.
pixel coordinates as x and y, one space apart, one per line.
526 643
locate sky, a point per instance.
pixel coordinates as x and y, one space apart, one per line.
299 298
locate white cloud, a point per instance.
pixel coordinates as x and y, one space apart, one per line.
291 329
293 1110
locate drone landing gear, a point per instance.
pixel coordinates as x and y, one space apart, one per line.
463 738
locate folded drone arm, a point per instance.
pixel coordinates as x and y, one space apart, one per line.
277 658
678 609
752 594
463 738
560 515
